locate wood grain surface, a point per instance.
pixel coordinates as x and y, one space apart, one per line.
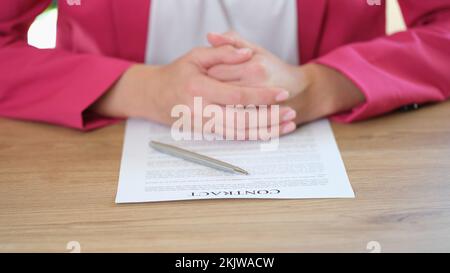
58 185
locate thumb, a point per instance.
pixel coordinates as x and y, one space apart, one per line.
229 38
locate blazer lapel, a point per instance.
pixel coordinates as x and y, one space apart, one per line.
130 19
311 15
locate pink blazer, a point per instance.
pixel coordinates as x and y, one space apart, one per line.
98 40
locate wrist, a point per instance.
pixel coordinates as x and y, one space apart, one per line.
298 80
126 97
332 92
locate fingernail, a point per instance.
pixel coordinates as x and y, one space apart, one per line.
244 51
288 128
282 96
290 115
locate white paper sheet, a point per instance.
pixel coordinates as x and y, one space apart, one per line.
306 164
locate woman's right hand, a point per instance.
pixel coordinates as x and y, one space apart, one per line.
151 92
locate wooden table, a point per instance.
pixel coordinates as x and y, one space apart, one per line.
58 185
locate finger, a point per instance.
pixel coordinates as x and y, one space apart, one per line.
227 94
287 128
243 126
229 38
251 117
216 40
223 72
260 133
208 57
271 132
247 129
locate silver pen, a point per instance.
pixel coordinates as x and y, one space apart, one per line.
195 157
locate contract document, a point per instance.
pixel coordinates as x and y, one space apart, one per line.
304 164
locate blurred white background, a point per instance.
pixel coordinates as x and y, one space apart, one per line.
42 33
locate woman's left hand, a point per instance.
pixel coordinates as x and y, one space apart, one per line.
315 90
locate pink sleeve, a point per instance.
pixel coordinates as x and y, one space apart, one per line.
410 67
49 85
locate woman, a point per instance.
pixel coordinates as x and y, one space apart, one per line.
140 58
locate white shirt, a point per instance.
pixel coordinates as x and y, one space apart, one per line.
177 26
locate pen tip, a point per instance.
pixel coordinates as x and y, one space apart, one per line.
242 171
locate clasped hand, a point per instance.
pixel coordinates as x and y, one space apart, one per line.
232 71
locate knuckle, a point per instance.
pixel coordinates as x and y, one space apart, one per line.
215 71
228 48
257 69
193 53
196 51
